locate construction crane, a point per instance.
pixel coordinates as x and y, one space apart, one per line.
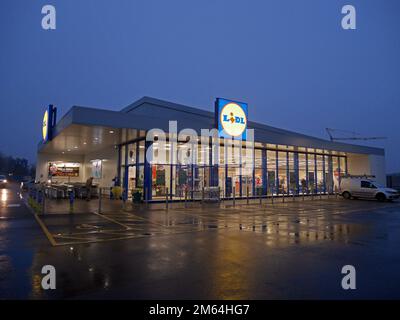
351 135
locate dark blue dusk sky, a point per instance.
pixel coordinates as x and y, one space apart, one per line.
290 60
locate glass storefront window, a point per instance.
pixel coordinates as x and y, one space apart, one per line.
336 173
258 158
258 181
320 174
132 153
247 158
141 151
302 173
282 172
247 164
161 153
203 155
201 178
131 179
221 155
311 173
292 174
271 172
184 154
183 181
233 181
328 175
233 153
221 180
247 184
160 180
140 177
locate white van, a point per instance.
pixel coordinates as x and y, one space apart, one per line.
366 188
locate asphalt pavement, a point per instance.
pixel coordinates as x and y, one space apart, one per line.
291 250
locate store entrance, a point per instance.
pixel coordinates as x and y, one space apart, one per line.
247 185
201 178
233 182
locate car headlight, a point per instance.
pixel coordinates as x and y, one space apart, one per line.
5 180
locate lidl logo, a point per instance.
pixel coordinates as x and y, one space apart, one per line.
232 118
48 122
45 126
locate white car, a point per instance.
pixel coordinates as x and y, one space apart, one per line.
366 188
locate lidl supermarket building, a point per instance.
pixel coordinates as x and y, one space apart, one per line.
111 147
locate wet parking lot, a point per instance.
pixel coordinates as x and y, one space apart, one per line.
293 220
281 250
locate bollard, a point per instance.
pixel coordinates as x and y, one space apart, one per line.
320 196
234 192
283 197
272 198
99 200
303 195
260 198
202 195
293 195
166 198
247 194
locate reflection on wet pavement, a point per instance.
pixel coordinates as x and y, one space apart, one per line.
279 223
280 250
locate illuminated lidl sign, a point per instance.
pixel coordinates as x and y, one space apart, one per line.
49 121
45 125
231 118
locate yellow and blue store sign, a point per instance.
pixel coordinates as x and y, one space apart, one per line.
49 121
231 118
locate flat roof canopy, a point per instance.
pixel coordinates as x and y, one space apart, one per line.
80 139
94 126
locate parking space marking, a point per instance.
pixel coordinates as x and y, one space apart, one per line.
110 219
287 218
45 230
144 219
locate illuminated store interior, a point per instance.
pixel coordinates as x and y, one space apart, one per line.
111 146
